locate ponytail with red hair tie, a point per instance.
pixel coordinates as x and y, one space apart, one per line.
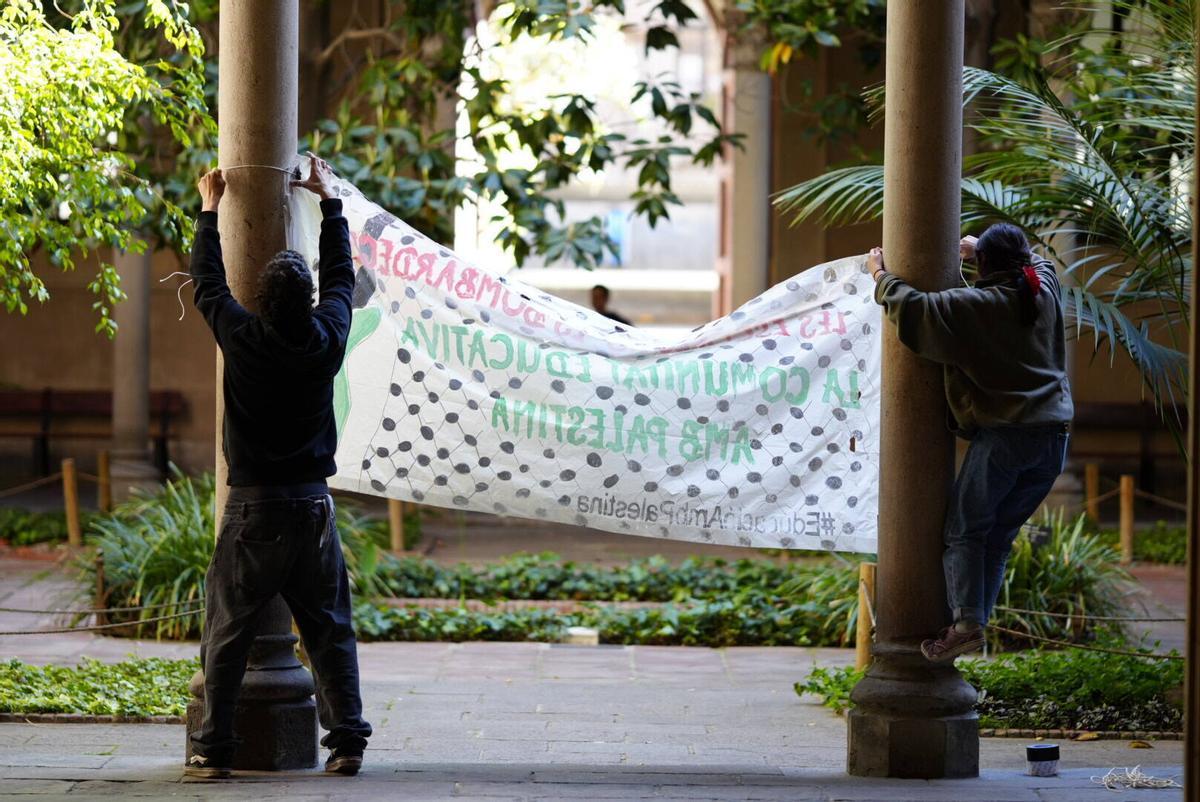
1035 282
1028 291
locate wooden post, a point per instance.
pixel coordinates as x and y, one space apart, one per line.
396 524
101 602
1091 485
1126 519
103 482
866 596
71 502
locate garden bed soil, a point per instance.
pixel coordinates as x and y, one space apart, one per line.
1083 735
41 552
84 718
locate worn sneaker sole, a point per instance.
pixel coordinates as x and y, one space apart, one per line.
973 645
207 772
347 766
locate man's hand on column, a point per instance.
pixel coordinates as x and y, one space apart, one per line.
212 188
320 178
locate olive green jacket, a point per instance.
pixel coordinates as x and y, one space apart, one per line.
998 372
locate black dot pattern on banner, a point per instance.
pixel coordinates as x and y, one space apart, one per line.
785 441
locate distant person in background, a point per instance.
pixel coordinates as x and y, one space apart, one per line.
600 304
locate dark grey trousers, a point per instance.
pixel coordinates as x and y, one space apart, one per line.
279 540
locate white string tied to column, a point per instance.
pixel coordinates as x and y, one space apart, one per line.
290 172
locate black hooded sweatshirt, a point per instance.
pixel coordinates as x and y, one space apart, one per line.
279 426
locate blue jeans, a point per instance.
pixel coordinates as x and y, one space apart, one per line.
279 540
1007 474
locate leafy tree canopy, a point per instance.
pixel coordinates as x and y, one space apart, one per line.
110 104
65 187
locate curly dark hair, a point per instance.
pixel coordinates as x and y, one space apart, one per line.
285 291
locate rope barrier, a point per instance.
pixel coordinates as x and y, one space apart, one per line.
186 603
45 480
99 627
87 477
1069 645
1165 502
1080 506
1101 498
1077 617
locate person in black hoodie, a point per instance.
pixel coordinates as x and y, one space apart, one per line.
278 533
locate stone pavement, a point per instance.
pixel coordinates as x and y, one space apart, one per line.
1162 593
509 721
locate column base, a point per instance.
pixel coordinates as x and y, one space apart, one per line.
880 745
276 716
277 736
912 719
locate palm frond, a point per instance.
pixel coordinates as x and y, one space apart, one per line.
839 197
1163 369
1086 155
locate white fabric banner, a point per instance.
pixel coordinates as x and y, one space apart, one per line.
465 388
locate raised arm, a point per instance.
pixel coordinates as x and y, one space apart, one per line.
212 296
924 320
336 268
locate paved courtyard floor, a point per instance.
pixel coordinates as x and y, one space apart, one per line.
515 721
526 721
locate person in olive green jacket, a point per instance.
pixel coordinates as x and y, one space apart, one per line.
1002 343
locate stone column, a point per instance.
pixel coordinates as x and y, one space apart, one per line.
911 718
132 465
257 107
744 246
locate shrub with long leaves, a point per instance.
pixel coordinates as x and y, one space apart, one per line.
1073 573
156 549
1069 572
1088 152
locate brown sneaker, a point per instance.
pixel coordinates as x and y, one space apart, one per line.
344 763
950 643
